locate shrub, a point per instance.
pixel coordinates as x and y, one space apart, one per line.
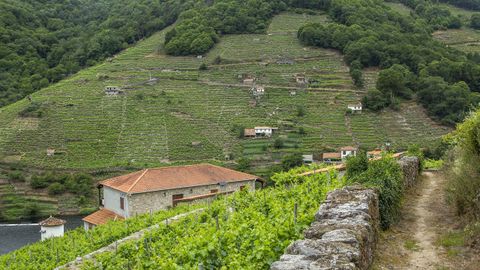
301 111
56 188
203 66
34 109
292 161
385 175
244 164
278 143
356 165
463 169
39 181
16 176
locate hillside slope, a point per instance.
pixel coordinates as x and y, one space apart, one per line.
173 112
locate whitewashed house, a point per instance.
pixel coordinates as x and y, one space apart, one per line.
112 90
258 90
51 227
264 131
156 189
355 107
348 151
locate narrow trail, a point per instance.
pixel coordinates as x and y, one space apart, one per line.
425 236
412 243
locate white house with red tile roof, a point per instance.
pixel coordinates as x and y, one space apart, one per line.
161 188
348 151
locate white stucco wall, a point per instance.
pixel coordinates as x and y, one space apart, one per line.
47 232
111 200
346 154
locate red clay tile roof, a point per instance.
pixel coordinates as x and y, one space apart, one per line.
175 177
249 132
52 222
101 216
331 156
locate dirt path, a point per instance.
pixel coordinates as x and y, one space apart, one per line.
426 257
411 244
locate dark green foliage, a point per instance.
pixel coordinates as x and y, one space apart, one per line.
239 131
444 101
385 175
244 164
464 167
278 143
80 184
34 109
203 66
467 4
199 28
56 188
375 100
292 161
369 34
475 21
32 210
42 42
356 164
301 111
356 73
415 151
16 176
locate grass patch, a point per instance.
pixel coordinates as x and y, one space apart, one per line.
411 245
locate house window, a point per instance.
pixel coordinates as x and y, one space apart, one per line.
214 191
176 197
122 203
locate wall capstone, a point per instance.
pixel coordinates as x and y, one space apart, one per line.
343 235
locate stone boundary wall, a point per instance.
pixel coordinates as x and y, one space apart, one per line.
344 233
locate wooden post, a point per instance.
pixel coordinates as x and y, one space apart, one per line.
216 221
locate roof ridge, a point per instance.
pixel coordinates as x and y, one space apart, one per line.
136 181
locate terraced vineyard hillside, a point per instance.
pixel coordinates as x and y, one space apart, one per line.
172 111
465 39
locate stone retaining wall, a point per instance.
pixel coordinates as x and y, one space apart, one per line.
344 233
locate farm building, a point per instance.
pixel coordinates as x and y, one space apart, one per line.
249 133
300 79
258 90
348 151
331 157
50 152
374 153
248 81
112 90
307 159
161 188
355 107
51 227
264 131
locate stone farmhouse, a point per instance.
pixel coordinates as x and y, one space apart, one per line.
156 189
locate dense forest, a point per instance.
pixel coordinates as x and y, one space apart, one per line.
43 41
468 4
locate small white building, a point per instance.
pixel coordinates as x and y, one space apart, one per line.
258 90
355 107
264 131
348 151
52 227
112 90
307 159
50 152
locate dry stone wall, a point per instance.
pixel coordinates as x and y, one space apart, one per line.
344 233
